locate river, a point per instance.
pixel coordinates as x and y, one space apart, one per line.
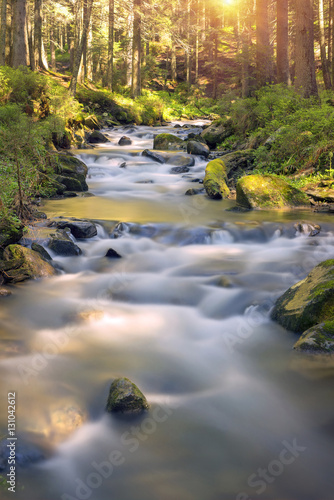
235 413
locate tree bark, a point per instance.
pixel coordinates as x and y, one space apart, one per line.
20 45
322 41
80 49
283 70
305 80
38 33
52 42
263 57
111 44
136 50
3 30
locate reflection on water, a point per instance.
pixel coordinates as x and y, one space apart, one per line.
185 314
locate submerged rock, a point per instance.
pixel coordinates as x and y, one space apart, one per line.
179 170
267 191
155 156
125 397
61 244
192 191
309 302
318 339
124 141
168 142
181 161
25 454
4 292
197 148
21 263
215 180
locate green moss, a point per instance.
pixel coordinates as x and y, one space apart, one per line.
257 191
168 142
125 397
215 179
25 264
308 302
318 339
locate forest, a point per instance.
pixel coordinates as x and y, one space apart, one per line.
166 249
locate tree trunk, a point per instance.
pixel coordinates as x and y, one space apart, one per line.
136 50
52 42
3 30
322 41
245 78
283 70
20 45
173 62
9 34
80 49
263 58
305 80
38 34
111 44
188 49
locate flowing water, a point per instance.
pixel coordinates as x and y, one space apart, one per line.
185 314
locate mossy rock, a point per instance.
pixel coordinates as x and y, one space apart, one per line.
61 244
267 191
308 302
215 180
25 264
169 142
318 339
70 183
9 234
125 397
217 132
72 173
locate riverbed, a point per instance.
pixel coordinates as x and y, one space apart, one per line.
185 314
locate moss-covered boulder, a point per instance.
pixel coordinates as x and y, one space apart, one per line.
267 191
318 339
72 172
215 180
61 244
308 302
125 397
97 137
168 142
217 132
21 263
198 148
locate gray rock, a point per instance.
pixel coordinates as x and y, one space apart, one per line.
79 228
41 250
318 339
124 141
192 192
125 397
97 137
197 148
61 244
181 161
179 170
307 228
155 156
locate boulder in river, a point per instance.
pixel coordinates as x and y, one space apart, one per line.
217 132
79 228
155 156
239 163
267 191
168 142
192 191
97 137
72 172
112 254
125 397
308 302
21 263
197 148
61 244
179 170
124 141
181 161
36 247
317 339
215 180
